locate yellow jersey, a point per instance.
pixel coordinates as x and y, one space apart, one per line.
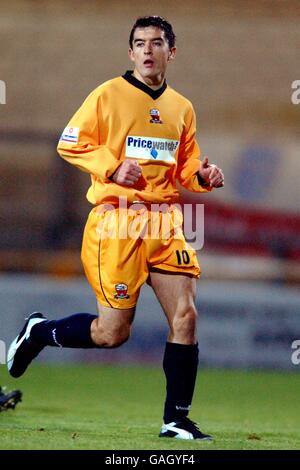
124 118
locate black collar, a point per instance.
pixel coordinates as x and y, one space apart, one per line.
138 84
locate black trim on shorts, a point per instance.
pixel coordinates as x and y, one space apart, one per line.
99 273
174 273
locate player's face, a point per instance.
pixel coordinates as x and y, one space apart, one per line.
150 53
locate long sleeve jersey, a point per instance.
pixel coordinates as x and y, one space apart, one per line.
125 119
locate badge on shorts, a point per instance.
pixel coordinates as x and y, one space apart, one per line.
121 290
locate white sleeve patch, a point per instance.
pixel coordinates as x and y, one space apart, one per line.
70 134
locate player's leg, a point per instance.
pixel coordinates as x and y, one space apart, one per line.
105 267
173 272
81 330
176 294
73 332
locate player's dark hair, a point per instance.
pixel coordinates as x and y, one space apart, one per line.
158 22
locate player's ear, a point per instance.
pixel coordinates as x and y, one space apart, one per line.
172 53
130 54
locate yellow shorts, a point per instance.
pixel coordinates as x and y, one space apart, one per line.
121 246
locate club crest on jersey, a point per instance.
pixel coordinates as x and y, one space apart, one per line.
155 116
121 290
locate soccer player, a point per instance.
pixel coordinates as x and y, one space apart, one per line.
10 399
135 136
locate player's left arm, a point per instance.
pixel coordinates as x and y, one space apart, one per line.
192 173
210 174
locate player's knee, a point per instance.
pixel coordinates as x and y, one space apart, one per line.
113 338
117 339
185 320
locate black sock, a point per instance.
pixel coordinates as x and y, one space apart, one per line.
180 366
69 332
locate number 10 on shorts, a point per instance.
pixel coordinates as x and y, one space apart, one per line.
182 257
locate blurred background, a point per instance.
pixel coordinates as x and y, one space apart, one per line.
236 62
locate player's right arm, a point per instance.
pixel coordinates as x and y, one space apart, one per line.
80 142
127 173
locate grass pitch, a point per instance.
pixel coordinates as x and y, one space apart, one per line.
120 407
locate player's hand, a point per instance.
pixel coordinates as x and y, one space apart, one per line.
211 174
128 173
